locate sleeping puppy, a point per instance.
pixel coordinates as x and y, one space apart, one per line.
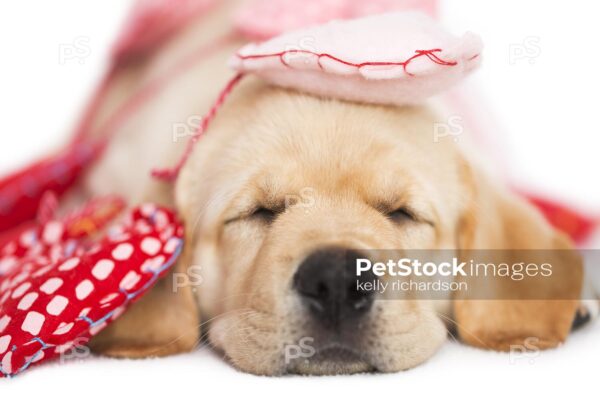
277 194
364 177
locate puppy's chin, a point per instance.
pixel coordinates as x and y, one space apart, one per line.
263 359
259 344
332 368
335 360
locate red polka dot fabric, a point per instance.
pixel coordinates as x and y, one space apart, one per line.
58 288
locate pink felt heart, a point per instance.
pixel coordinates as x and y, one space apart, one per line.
57 290
398 58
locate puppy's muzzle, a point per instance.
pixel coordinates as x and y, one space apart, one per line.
328 285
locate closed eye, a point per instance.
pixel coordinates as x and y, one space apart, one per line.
264 214
401 215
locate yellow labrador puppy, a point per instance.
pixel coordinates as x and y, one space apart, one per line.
274 197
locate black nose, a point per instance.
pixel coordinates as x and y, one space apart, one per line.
327 282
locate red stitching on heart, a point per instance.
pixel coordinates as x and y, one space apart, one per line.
430 54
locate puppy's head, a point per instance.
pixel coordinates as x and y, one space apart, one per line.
281 193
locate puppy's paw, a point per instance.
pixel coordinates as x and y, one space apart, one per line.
512 341
509 325
162 323
124 348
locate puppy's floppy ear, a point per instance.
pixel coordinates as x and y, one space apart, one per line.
503 312
165 321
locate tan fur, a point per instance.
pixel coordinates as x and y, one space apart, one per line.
499 220
333 169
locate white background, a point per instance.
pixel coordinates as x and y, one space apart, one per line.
546 103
